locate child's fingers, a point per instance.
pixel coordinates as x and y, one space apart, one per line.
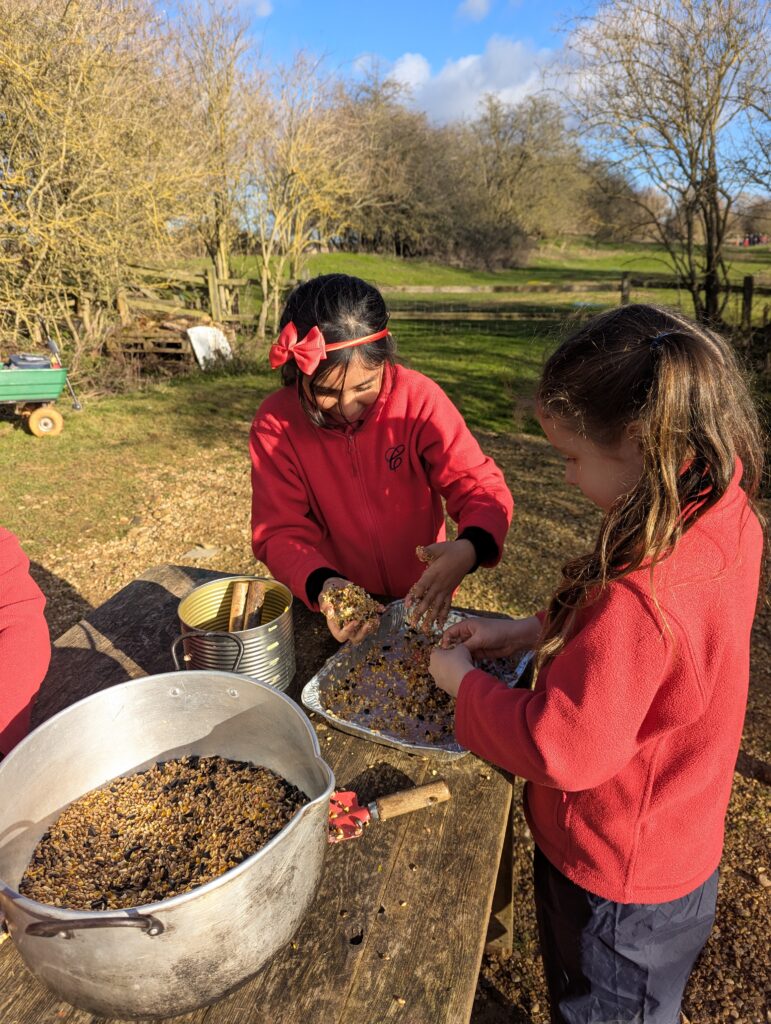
424 607
336 630
456 634
340 633
444 611
355 632
365 629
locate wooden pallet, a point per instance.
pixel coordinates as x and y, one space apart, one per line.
163 338
162 343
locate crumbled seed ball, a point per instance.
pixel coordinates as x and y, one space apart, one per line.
352 604
157 833
391 691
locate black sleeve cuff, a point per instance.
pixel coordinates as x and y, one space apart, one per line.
316 581
484 545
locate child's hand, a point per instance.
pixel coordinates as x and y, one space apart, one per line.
354 630
448 667
493 638
430 597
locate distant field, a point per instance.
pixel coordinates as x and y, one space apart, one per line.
593 269
549 263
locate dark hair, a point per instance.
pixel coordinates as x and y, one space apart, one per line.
343 308
681 386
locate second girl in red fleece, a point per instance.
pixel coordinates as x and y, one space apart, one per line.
630 736
352 457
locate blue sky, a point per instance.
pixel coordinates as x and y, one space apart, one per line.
449 52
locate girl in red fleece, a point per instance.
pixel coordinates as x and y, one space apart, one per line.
351 460
25 648
629 737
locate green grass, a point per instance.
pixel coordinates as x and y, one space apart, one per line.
488 376
54 491
81 483
550 263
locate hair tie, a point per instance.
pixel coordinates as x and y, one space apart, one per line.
656 342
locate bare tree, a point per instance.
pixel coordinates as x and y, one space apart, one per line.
303 180
223 116
670 91
92 168
533 170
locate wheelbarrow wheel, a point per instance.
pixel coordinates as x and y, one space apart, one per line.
45 421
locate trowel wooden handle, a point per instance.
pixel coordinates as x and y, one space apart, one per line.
412 799
237 605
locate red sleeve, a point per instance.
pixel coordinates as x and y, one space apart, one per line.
284 536
25 647
468 480
595 705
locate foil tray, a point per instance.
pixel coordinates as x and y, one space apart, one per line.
393 622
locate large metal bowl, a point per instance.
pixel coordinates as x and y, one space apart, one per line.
182 953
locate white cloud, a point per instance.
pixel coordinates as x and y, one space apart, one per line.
508 68
413 70
474 9
263 8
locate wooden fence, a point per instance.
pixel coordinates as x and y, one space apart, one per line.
206 291
205 288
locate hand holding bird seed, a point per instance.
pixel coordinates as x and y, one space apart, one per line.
350 611
430 597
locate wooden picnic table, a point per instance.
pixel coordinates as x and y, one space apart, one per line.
400 921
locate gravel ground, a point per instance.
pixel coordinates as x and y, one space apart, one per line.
178 522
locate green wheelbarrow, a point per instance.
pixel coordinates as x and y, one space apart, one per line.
32 384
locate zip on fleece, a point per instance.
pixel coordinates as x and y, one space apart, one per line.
353 452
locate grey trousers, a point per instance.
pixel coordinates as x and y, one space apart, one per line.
617 963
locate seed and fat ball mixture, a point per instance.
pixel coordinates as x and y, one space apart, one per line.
391 691
352 604
158 833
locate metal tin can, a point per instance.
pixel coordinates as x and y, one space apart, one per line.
265 652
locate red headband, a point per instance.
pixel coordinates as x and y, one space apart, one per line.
308 352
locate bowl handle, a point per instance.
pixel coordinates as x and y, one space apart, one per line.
217 636
50 929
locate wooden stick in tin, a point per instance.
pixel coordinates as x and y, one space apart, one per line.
237 604
254 601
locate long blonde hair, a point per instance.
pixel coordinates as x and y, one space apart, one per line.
681 387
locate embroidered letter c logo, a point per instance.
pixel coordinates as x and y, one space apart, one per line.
394 456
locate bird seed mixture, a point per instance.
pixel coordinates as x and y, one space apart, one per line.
160 832
352 604
390 690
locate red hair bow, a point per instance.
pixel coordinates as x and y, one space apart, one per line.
307 352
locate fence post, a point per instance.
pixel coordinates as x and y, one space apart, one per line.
121 304
214 295
747 289
625 289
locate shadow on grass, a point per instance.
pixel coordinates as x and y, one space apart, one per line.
482 372
64 604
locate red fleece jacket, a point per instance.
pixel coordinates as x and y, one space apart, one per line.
360 500
25 648
630 736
